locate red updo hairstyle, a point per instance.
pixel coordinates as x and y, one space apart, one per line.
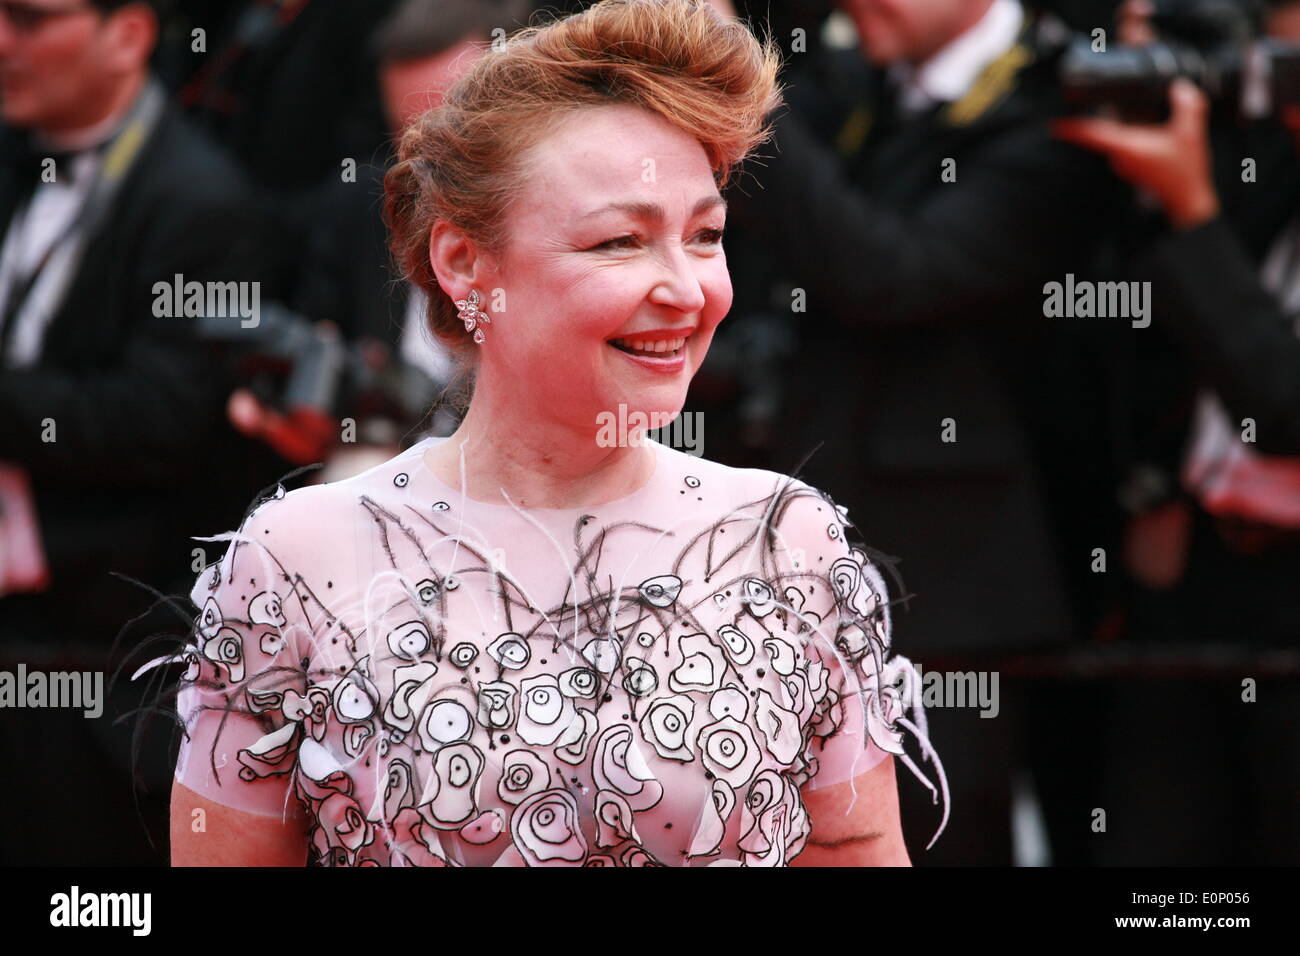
465 160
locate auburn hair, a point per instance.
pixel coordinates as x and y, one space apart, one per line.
464 160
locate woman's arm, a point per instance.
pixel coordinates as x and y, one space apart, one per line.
870 834
231 837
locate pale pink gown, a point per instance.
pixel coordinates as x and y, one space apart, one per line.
432 679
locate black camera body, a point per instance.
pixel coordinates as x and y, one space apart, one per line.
1218 44
308 371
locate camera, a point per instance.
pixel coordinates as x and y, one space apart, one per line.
1218 44
309 373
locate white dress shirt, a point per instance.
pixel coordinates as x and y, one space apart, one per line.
949 74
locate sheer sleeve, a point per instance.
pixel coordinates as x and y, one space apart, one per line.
243 695
840 594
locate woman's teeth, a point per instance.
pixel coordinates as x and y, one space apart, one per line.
644 347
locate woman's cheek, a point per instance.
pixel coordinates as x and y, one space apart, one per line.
717 305
724 302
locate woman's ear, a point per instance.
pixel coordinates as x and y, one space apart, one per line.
457 261
450 258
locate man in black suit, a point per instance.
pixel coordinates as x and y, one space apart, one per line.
913 207
110 405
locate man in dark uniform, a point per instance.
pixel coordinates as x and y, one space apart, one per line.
959 426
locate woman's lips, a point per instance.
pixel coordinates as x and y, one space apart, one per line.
665 361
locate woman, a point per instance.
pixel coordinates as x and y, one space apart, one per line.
543 640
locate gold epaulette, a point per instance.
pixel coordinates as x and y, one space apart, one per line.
990 88
854 131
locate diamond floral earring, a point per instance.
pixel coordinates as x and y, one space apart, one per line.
471 316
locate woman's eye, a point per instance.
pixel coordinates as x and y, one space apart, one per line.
711 237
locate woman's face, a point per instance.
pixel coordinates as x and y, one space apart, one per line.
580 275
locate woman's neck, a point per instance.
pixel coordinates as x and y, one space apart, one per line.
538 464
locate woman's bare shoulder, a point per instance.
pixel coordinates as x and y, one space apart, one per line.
315 509
748 483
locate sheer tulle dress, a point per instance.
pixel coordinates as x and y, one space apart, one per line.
427 677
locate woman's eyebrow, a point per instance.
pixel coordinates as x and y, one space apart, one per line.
653 212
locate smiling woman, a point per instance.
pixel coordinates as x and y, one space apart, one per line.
520 646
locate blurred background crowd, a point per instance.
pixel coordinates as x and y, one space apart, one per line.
1115 531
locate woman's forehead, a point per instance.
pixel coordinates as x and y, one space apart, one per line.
596 159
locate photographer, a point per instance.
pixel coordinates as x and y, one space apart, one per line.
1214 562
1253 361
1236 320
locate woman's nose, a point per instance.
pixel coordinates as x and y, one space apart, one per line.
680 286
